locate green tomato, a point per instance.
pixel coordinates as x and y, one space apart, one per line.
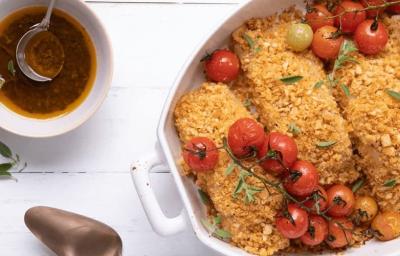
299 36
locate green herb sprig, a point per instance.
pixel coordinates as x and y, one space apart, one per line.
11 68
390 183
213 227
291 79
344 57
13 161
395 95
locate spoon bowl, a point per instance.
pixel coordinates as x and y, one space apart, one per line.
23 43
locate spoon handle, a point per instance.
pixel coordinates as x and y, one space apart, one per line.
45 23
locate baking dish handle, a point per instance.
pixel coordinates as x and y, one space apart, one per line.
161 224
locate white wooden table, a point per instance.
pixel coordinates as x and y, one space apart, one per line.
87 170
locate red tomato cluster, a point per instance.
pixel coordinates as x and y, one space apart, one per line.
347 18
277 154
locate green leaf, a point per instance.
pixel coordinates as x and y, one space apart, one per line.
395 95
346 90
210 227
214 229
4 168
250 192
318 84
222 234
5 150
294 129
230 168
357 185
205 199
325 144
239 187
217 220
291 79
11 68
249 41
348 47
390 183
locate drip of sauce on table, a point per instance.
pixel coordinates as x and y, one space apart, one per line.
68 47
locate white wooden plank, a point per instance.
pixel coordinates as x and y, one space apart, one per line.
152 41
109 198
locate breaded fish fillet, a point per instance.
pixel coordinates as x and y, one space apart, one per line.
265 59
374 116
209 111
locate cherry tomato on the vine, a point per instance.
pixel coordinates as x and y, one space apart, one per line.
339 232
394 8
222 66
292 223
340 201
371 37
318 197
317 231
387 225
200 154
245 136
350 20
326 43
283 147
317 17
373 13
301 179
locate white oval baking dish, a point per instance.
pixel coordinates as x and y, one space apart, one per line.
169 148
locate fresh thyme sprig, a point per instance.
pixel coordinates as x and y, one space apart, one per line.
344 57
13 161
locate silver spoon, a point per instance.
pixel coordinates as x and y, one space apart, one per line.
25 39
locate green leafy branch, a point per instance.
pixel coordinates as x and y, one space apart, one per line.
13 161
344 57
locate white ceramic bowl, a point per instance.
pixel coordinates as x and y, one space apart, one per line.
46 128
169 148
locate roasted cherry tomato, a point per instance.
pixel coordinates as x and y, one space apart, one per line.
222 66
317 231
299 37
365 209
245 136
373 13
283 147
339 232
318 197
371 37
317 17
350 20
340 201
301 179
200 154
326 43
387 225
292 223
394 8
